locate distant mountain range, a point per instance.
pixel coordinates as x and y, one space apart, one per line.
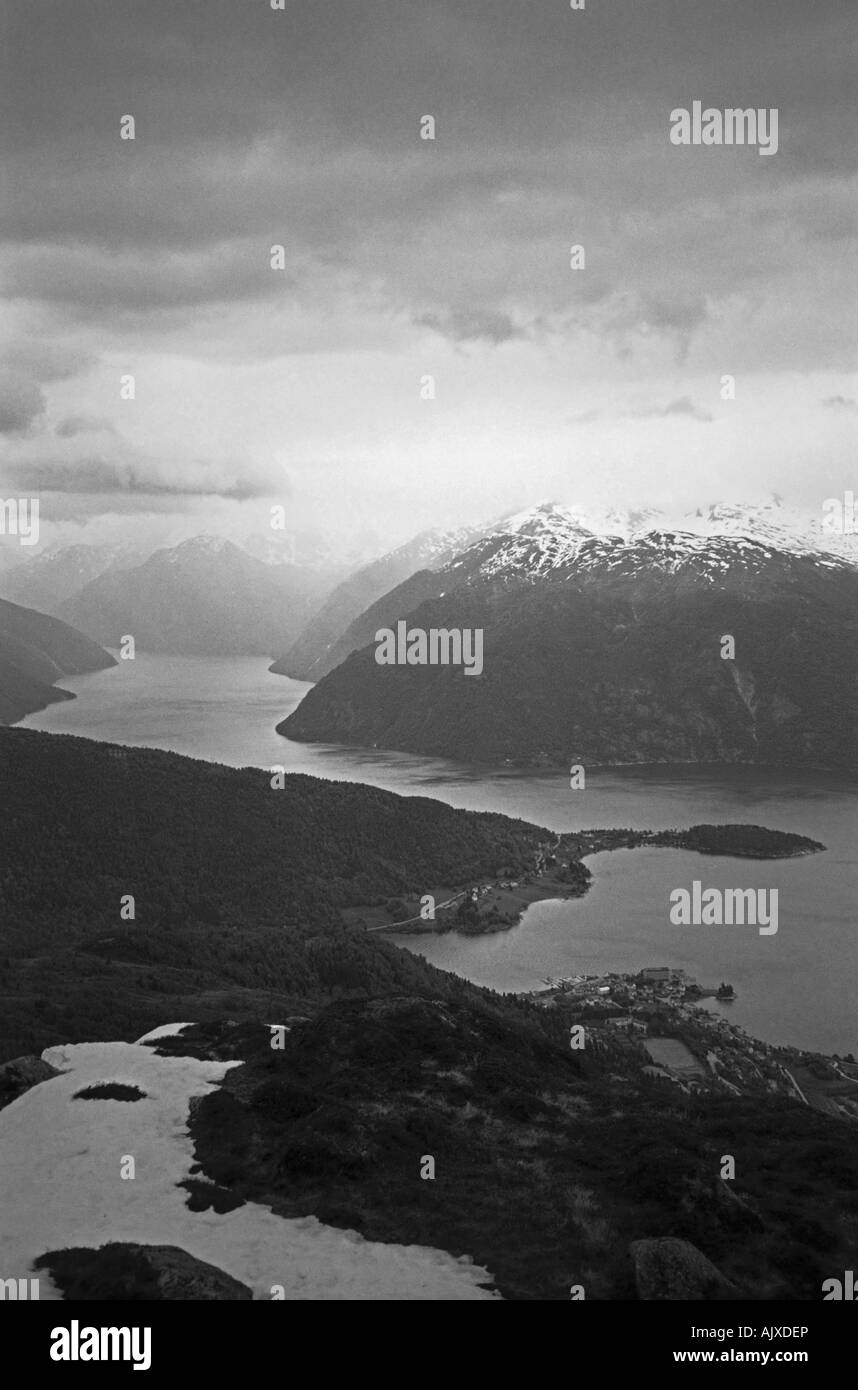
332 633
36 651
606 648
204 597
50 578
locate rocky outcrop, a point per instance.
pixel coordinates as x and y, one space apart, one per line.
19 1074
182 1276
124 1270
669 1268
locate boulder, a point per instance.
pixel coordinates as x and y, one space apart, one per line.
669 1268
20 1074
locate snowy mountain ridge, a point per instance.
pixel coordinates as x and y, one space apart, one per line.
550 539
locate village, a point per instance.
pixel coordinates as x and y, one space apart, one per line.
654 1017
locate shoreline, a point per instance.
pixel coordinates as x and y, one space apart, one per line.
657 1011
560 873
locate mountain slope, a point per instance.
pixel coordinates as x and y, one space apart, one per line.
329 637
238 887
540 537
203 597
550 1164
36 651
605 650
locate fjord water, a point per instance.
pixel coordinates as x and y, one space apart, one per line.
799 986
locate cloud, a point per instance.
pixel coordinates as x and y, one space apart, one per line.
83 424
256 127
684 405
46 361
22 401
470 325
96 476
840 403
142 279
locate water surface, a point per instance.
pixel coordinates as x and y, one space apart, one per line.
799 986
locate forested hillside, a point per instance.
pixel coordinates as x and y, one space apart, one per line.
236 887
36 651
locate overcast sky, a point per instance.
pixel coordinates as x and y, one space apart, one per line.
406 257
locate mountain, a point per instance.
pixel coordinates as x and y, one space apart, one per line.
36 651
775 524
600 649
329 637
305 548
51 578
205 597
240 894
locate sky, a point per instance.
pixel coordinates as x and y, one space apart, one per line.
404 258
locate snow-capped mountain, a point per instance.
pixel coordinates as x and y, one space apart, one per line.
774 523
536 541
607 647
676 552
555 541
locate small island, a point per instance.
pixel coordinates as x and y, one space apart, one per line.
556 870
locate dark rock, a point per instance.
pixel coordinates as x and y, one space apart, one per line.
183 1276
124 1271
18 1075
669 1268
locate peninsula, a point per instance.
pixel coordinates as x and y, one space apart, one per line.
556 870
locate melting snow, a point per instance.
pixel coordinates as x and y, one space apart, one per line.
558 541
60 1186
166 1030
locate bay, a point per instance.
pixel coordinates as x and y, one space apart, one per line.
799 986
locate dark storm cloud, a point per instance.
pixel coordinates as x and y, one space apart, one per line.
256 127
355 72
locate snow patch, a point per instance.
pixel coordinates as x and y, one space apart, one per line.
166 1030
60 1186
